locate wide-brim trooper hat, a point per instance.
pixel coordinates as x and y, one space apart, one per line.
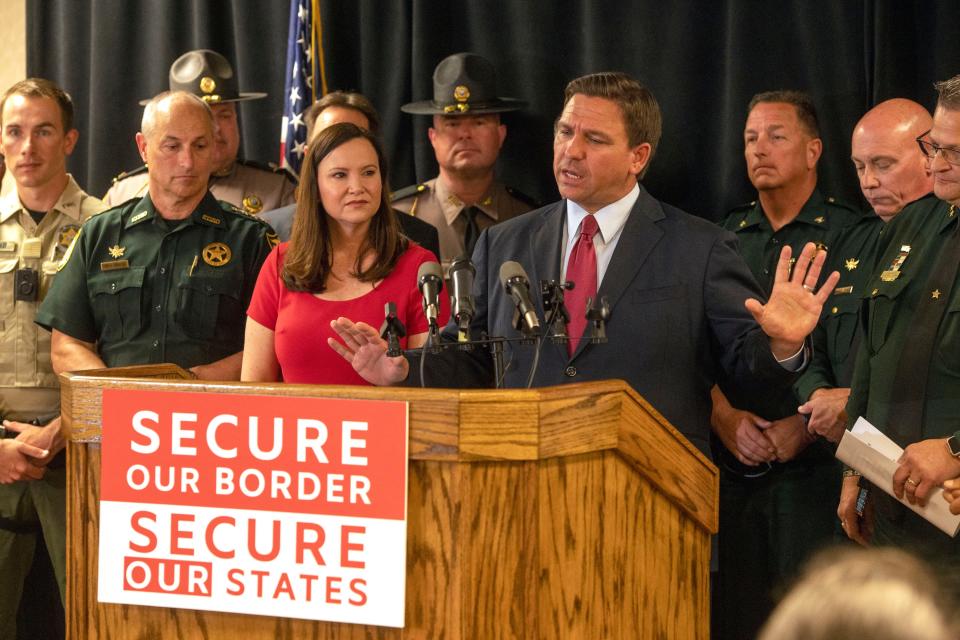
464 84
209 76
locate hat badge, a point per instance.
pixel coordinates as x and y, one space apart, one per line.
207 84
461 93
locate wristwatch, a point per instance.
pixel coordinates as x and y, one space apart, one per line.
953 443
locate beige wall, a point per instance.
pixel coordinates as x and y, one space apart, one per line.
13 35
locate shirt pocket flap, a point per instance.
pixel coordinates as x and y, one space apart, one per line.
113 282
221 284
890 290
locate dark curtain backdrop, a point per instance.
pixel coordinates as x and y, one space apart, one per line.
703 61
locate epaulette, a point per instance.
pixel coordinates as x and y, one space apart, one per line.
271 167
406 192
229 207
746 206
516 194
738 210
126 174
836 202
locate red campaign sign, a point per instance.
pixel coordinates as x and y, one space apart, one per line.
271 453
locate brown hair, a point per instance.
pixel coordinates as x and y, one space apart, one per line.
42 88
801 102
948 93
309 256
641 113
347 100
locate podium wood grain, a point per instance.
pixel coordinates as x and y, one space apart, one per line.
563 512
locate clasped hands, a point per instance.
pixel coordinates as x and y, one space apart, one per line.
26 456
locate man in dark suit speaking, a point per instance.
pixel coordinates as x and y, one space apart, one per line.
675 284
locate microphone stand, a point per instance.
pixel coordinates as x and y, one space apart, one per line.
392 329
598 312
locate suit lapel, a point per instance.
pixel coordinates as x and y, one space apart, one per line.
545 258
639 236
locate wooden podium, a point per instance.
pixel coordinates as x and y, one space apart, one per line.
564 512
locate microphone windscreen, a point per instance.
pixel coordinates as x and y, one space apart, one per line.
430 269
460 263
511 269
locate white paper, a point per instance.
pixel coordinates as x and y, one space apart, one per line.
875 456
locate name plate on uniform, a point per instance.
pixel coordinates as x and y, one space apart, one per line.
275 506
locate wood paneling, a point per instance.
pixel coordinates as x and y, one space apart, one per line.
567 512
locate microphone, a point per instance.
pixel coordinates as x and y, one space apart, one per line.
430 282
515 282
462 272
392 329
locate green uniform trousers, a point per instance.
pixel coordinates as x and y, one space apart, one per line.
27 509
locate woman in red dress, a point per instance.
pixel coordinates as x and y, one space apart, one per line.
345 258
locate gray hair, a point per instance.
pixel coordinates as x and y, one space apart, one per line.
847 594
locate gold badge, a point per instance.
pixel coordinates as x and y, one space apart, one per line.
252 204
935 294
851 263
216 254
208 84
461 93
272 239
66 235
819 219
116 251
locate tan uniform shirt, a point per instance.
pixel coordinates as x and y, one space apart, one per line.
28 386
436 204
245 187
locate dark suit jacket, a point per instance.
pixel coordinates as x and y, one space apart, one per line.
676 286
423 233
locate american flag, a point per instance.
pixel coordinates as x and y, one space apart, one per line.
304 72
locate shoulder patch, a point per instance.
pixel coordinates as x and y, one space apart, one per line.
406 192
522 197
133 172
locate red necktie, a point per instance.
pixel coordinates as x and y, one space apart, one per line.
582 271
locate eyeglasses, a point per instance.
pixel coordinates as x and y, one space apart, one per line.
930 150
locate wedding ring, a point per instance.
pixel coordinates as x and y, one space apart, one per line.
913 482
806 288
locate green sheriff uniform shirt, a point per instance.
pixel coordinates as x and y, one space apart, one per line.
889 303
28 385
821 220
837 336
147 290
887 320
